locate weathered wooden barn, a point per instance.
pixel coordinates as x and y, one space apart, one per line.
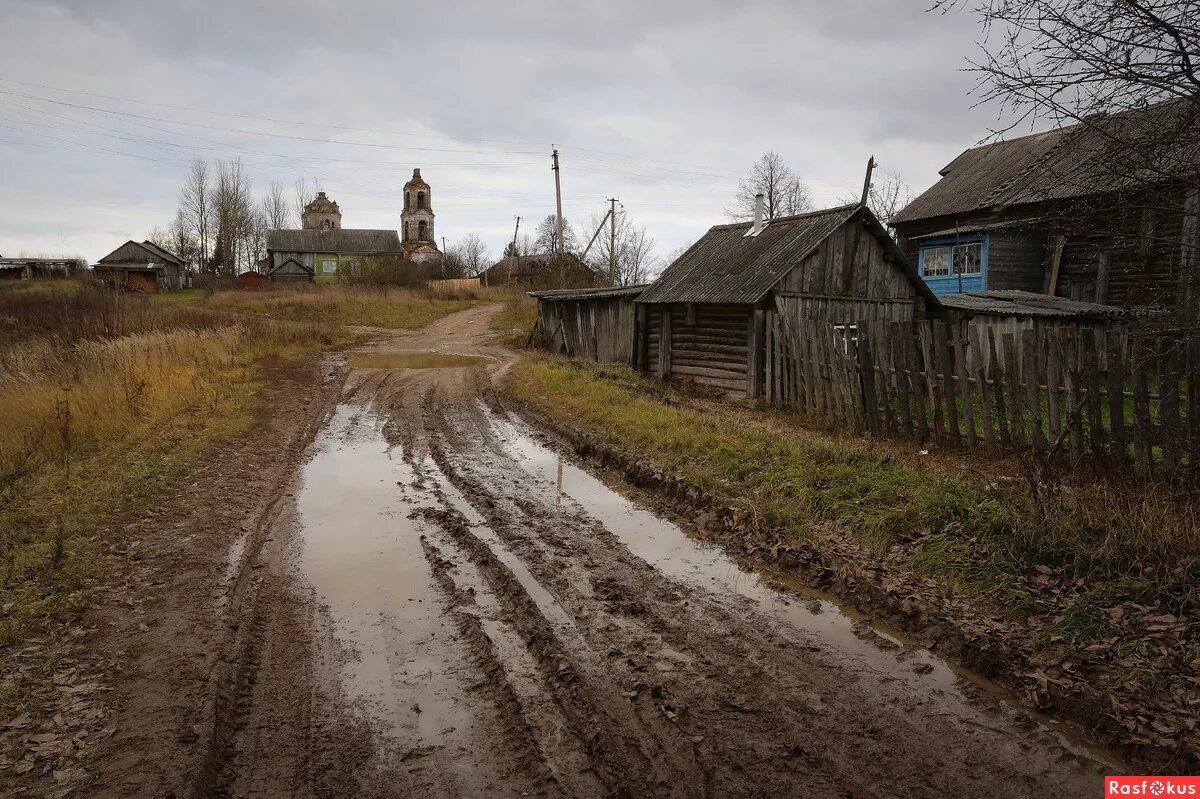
1071 212
327 254
143 267
37 268
594 324
706 320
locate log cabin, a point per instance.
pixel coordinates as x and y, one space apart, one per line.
704 320
144 267
1103 211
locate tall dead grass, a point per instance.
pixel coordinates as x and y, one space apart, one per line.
105 401
374 306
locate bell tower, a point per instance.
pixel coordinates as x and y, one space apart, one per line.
416 221
321 214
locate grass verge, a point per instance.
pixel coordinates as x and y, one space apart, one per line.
515 321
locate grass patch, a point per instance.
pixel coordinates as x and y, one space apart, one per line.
515 321
374 306
982 537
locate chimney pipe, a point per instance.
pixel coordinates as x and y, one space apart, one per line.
758 216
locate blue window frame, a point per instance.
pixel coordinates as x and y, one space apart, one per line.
954 264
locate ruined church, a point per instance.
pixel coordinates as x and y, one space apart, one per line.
323 251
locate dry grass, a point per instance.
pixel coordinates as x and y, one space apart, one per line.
374 306
106 400
515 321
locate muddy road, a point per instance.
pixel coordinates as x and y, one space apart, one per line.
440 606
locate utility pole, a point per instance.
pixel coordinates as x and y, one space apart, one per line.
867 182
557 201
444 254
514 256
612 241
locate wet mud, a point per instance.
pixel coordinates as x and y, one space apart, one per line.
501 622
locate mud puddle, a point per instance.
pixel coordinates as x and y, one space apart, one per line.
414 360
781 596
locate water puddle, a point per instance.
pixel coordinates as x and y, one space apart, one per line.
362 554
670 550
414 360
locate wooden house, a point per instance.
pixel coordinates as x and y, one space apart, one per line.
143 267
324 254
706 318
1073 212
593 324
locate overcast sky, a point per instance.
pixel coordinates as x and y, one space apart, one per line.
661 104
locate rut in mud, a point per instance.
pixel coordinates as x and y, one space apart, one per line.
491 621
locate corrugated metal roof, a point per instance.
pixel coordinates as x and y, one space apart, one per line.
589 294
1027 303
727 266
342 240
1079 160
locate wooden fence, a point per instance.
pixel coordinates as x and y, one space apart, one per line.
1118 398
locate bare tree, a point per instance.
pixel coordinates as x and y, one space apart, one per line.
784 193
196 203
546 236
302 197
627 252
275 209
472 254
1126 73
234 212
887 196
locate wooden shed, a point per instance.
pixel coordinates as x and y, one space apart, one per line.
596 324
143 267
706 319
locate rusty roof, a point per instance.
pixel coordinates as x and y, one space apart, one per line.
338 240
1027 303
1101 154
726 265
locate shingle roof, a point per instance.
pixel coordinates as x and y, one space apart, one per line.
160 252
1087 158
342 240
1027 303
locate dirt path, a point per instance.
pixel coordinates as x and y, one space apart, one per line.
437 605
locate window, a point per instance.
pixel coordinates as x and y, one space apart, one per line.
422 230
954 265
329 266
936 261
420 200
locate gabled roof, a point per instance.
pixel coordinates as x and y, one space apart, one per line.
1100 154
727 266
602 293
139 252
341 240
169 257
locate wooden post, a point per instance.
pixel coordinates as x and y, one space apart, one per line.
664 344
963 374
998 387
1055 262
1103 267
1115 366
1013 378
1168 407
941 347
1143 442
980 374
1092 344
899 333
1031 378
931 377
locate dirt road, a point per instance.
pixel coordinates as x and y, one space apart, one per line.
438 606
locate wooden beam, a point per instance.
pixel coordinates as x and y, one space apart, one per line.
1055 263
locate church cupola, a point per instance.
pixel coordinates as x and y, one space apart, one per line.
321 214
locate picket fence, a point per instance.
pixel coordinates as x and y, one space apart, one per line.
1118 399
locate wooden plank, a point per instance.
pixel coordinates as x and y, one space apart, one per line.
1031 378
998 387
979 372
962 371
866 375
1075 420
1115 367
1168 407
941 346
664 345
1013 384
899 333
882 343
1052 352
1143 439
1092 341
932 381
916 379
1055 263
1192 380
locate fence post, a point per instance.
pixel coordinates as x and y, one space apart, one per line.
981 385
1014 389
998 387
1168 406
1115 366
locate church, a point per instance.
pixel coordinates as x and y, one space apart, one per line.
323 251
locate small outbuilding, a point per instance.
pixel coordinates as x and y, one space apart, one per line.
143 267
291 270
594 324
706 319
251 279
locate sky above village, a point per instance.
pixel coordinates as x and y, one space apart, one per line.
661 104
